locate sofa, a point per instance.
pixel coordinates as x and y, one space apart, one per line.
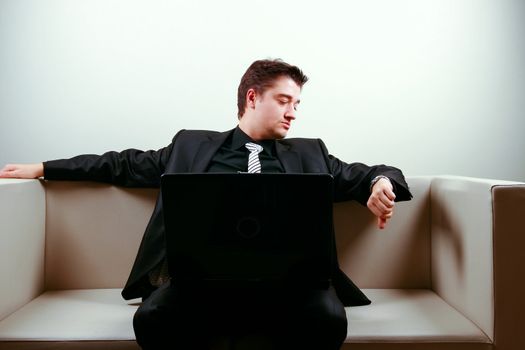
446 273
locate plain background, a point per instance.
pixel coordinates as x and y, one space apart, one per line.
432 87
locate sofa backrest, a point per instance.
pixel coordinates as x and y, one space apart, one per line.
396 257
93 232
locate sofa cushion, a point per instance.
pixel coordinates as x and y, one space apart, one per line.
102 319
409 316
72 315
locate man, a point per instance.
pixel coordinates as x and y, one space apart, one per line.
268 97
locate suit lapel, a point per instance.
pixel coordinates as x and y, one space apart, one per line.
289 159
206 151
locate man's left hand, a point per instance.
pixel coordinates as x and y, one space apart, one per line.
381 201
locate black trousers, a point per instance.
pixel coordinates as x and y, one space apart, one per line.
175 317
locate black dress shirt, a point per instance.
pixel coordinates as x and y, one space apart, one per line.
233 155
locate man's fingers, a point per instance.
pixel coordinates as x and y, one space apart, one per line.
379 208
384 205
387 197
381 223
390 194
6 171
382 216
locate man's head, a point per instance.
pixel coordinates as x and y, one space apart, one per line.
267 98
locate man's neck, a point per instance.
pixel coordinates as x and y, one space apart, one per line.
250 132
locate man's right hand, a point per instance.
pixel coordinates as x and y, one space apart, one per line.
22 171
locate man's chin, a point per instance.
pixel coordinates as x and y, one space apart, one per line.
276 134
281 134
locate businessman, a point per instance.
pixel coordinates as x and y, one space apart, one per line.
178 315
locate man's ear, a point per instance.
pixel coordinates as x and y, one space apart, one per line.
251 96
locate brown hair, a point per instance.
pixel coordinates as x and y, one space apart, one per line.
261 75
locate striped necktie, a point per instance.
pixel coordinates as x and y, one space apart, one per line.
254 164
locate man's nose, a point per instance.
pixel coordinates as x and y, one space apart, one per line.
290 112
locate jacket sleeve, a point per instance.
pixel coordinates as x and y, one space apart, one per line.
129 168
352 180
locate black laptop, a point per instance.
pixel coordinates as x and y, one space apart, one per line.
238 229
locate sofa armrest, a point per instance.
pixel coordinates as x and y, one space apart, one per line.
22 242
463 246
509 243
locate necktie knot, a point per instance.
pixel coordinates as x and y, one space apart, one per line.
253 147
254 164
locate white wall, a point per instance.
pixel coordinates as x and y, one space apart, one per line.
433 87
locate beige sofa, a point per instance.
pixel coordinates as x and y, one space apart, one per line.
445 274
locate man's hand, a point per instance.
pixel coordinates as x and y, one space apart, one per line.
23 171
381 201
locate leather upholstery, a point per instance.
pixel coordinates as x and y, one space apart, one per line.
441 275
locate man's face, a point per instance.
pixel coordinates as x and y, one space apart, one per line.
275 109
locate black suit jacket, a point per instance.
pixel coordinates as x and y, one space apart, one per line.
192 151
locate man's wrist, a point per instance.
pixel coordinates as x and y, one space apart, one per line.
376 179
39 170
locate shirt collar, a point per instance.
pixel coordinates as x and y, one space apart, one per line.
239 139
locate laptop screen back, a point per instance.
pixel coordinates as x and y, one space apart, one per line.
249 228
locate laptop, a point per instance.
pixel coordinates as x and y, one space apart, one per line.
239 229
